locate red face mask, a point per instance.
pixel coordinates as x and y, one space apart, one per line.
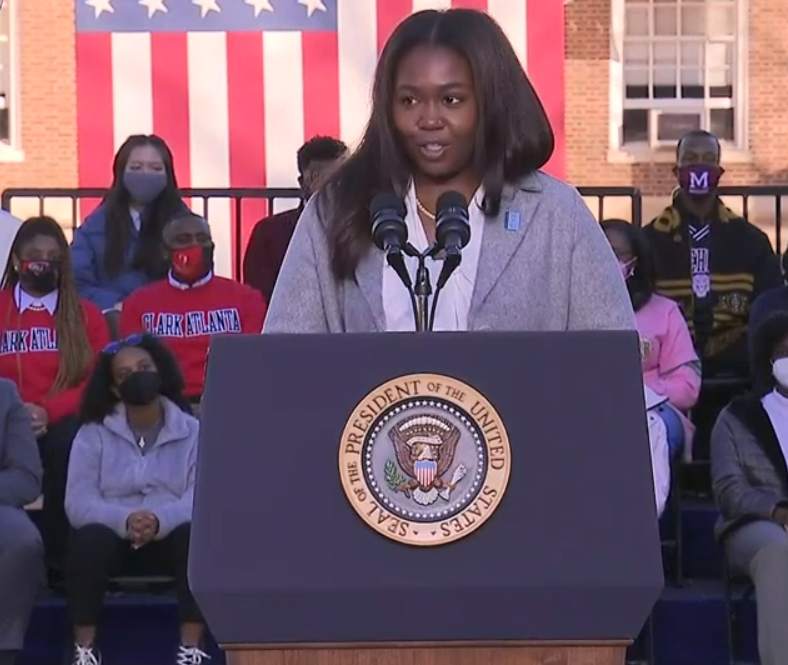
191 263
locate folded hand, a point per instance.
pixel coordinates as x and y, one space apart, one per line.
39 418
142 527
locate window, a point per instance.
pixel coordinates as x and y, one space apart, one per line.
8 79
680 70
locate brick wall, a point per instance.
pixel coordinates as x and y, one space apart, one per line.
587 107
46 73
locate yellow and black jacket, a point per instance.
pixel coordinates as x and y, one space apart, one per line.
742 265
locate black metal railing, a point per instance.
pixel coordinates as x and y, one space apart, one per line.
236 195
747 193
240 195
602 194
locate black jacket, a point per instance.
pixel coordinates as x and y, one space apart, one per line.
742 265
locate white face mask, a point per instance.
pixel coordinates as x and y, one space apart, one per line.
780 371
627 268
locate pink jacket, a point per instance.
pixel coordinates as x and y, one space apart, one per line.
670 365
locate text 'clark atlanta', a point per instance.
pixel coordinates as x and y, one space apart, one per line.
192 324
28 341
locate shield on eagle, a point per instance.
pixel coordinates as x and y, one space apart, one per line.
425 472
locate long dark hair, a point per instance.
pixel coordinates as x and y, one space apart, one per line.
765 338
148 256
643 282
99 400
513 137
75 353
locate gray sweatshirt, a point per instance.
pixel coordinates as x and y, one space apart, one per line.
109 477
748 467
20 463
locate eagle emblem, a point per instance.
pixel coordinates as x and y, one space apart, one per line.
424 446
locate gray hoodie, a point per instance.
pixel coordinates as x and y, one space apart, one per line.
109 478
20 463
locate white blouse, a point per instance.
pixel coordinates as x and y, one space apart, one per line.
454 301
25 301
776 407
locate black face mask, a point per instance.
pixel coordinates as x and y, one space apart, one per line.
40 276
140 388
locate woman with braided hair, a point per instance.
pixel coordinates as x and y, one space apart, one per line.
48 344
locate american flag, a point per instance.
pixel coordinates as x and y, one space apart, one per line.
236 86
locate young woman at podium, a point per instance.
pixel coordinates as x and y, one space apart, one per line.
452 110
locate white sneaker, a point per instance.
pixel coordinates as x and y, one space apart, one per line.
186 656
86 656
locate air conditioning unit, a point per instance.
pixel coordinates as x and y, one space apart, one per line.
666 127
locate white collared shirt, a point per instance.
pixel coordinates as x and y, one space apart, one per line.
776 407
185 287
660 453
454 301
25 301
136 218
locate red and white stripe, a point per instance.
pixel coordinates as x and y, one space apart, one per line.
235 107
425 473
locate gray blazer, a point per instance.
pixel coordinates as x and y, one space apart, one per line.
555 271
20 463
748 469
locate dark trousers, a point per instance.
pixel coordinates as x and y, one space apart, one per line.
96 552
715 395
55 449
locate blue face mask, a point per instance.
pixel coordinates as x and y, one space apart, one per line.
144 186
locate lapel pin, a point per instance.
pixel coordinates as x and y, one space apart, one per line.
512 220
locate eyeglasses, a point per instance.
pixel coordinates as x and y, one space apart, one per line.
113 347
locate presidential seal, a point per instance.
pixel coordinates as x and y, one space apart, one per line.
424 459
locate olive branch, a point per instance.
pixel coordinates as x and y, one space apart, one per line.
393 477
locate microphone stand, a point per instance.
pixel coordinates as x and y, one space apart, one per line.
422 289
450 264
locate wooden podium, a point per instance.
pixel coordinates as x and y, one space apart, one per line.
455 653
299 556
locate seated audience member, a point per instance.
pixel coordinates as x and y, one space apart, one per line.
48 342
21 549
117 249
660 449
713 262
9 225
131 487
271 236
192 303
670 363
775 300
748 462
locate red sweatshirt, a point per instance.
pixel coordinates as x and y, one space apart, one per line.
185 318
29 355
